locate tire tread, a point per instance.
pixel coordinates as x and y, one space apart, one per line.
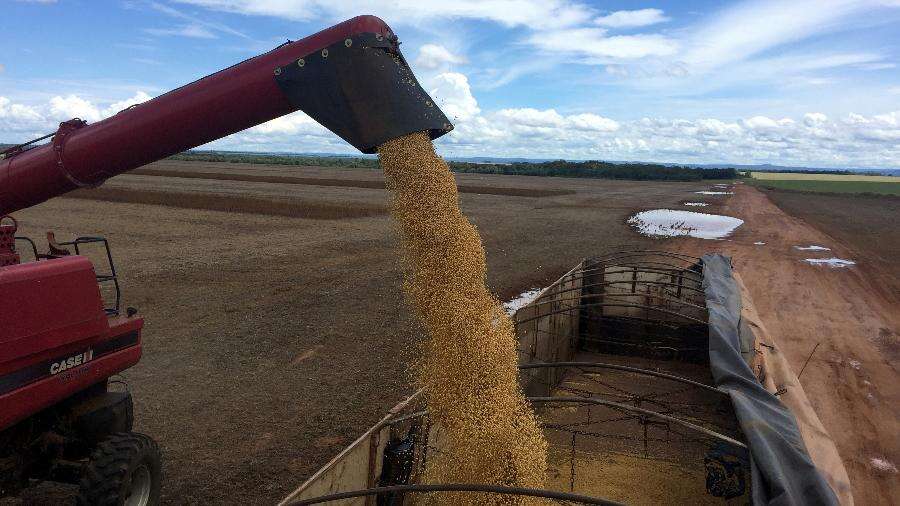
102 477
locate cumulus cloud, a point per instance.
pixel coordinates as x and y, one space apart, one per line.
879 128
452 93
138 98
528 117
73 106
811 119
631 19
434 57
592 122
18 120
761 123
18 117
811 139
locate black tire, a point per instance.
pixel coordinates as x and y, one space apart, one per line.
115 464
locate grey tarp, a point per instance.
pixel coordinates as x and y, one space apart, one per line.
782 471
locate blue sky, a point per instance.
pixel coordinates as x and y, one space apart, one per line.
804 82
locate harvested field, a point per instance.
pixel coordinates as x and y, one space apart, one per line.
857 187
271 342
827 183
800 176
362 183
233 204
859 222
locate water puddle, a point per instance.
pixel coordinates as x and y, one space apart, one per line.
759 243
707 192
696 204
524 298
812 247
830 262
672 223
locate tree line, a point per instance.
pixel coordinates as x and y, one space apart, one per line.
557 168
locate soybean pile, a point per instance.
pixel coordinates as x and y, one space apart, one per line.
468 364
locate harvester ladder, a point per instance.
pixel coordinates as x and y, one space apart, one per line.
109 277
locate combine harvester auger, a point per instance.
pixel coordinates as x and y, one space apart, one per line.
61 418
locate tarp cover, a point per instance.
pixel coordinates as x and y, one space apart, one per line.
782 471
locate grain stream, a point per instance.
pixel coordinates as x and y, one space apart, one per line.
468 365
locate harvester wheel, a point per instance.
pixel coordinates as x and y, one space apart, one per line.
124 470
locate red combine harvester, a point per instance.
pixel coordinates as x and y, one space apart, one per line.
60 343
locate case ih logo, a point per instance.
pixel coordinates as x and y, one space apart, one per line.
73 361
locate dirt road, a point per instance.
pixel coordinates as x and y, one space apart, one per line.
852 378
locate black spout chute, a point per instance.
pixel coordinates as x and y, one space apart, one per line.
363 90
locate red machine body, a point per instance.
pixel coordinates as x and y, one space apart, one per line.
57 338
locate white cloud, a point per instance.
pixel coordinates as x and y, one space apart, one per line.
816 140
711 128
2 68
728 42
750 27
876 66
631 19
292 124
593 43
138 98
18 120
493 78
192 20
451 91
879 128
14 114
761 123
73 106
592 122
812 119
538 14
192 31
810 139
529 117
434 57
